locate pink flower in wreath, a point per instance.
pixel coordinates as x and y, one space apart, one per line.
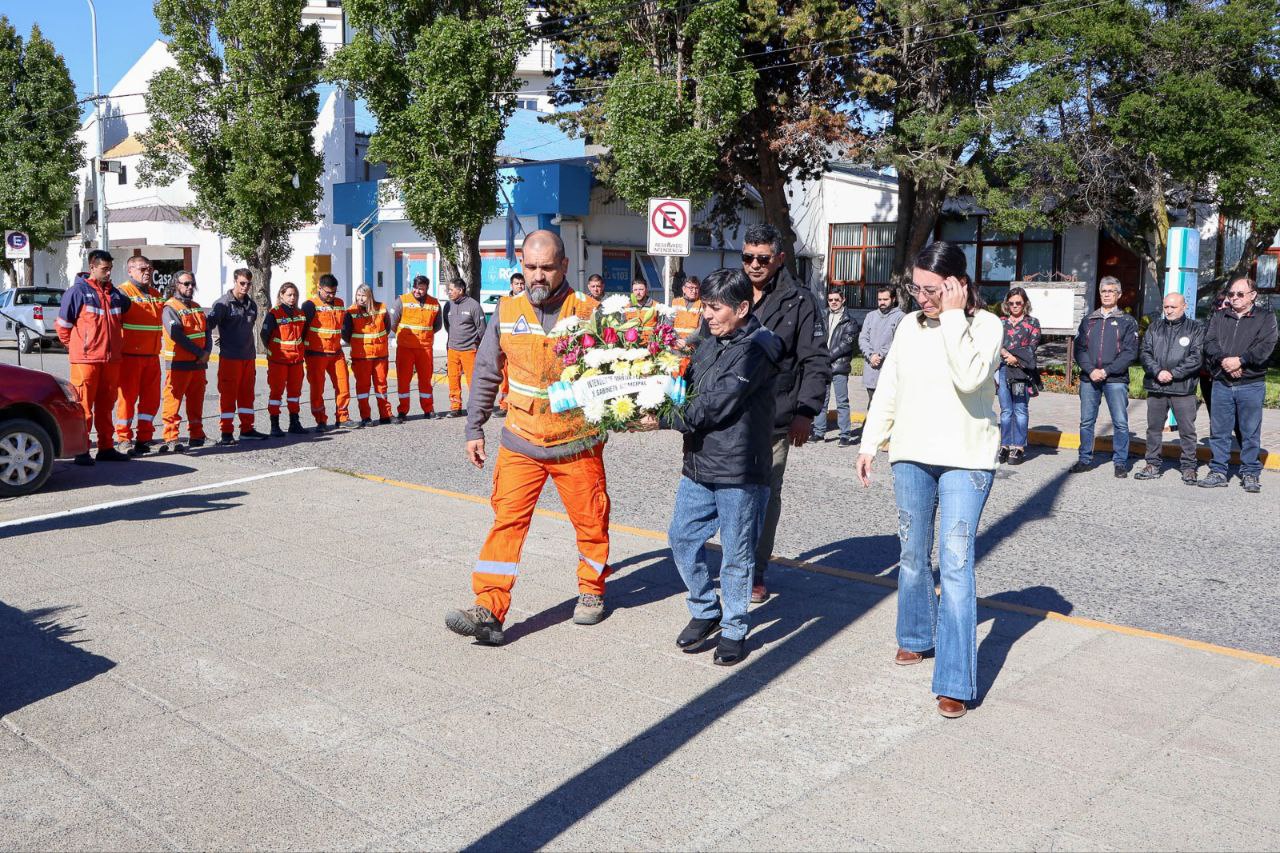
654 347
571 357
588 341
631 335
609 335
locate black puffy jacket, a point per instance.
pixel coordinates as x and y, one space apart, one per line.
1175 347
842 342
793 314
728 421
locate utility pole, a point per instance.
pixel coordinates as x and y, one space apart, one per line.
99 185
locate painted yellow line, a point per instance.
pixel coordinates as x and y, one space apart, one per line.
883 582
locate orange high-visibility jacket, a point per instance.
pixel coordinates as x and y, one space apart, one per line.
193 326
688 316
533 367
368 331
324 333
417 322
285 346
142 325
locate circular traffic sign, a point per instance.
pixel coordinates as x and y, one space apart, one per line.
16 240
669 219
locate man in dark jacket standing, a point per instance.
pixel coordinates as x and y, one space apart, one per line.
1237 347
842 334
792 313
1171 352
233 315
1106 345
728 456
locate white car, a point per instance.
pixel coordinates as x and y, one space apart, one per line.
28 314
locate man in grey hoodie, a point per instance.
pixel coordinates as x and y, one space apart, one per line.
876 337
464 325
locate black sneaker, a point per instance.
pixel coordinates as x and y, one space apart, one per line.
475 621
814 438
112 455
846 441
1213 480
457 413
1003 457
1148 472
196 442
1016 455
173 447
402 419
83 459
345 423
364 422
1250 483
1121 472
227 439
140 448
253 435
729 652
696 631
1189 476
1079 468
384 421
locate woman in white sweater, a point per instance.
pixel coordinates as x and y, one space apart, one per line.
936 401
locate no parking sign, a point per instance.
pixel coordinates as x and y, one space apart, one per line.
17 246
669 226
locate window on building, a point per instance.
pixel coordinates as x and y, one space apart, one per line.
527 104
861 257
999 257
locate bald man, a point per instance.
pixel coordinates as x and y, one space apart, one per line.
535 444
1171 352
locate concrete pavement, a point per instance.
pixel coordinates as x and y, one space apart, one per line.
241 686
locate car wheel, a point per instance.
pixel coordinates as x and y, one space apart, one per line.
26 457
25 342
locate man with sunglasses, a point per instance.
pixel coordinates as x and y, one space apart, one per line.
791 312
1237 348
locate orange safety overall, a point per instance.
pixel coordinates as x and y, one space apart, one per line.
284 361
461 365
369 357
180 384
140 369
532 367
687 318
324 359
415 337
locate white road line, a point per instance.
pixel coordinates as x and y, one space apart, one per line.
161 496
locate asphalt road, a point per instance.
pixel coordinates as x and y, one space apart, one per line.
1154 555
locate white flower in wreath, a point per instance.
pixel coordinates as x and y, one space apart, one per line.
636 354
641 368
666 310
568 324
616 304
650 397
597 357
594 411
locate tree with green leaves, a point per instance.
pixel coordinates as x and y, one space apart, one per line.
39 118
236 117
439 78
1134 114
780 72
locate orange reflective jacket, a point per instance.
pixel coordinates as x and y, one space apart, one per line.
285 346
142 325
324 332
688 316
193 326
368 331
417 322
532 368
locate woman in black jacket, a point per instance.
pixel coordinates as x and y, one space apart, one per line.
1018 379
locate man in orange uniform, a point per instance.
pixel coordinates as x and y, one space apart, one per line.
323 346
186 351
536 444
364 329
140 367
282 336
89 327
644 308
688 310
415 319
234 314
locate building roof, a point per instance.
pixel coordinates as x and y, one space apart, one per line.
147 213
128 148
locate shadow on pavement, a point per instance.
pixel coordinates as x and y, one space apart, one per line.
68 476
178 506
1009 626
39 658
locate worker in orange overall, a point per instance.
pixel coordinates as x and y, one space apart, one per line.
536 443
186 349
688 311
414 320
282 333
323 352
140 368
364 330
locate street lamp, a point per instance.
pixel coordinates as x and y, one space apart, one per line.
99 185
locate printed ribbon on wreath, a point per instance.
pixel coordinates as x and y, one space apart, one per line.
564 396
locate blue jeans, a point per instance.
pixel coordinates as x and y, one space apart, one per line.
1014 418
840 385
1117 394
957 496
1232 405
738 512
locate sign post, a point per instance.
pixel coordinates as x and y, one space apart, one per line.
669 222
17 246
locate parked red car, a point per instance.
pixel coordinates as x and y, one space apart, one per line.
40 420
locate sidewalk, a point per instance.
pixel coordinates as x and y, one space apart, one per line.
254 692
1055 422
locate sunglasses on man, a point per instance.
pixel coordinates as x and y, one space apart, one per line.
762 260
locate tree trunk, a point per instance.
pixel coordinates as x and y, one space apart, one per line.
918 209
771 183
469 262
448 270
261 290
1260 239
